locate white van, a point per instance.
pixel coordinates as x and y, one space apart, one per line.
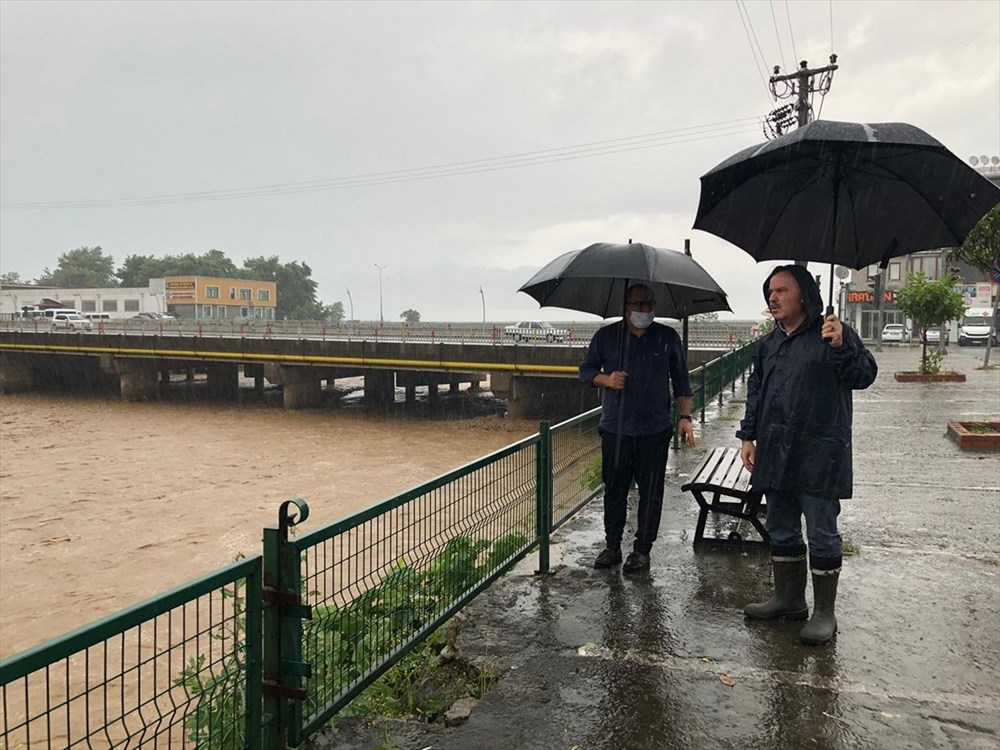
98 317
976 327
45 315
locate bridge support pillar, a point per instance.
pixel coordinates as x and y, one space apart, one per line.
411 394
300 387
380 389
255 371
137 379
543 398
15 374
223 380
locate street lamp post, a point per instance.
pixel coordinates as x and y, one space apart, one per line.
484 307
381 319
350 301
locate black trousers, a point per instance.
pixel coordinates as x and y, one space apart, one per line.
644 460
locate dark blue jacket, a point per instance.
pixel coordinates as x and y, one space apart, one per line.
653 361
800 403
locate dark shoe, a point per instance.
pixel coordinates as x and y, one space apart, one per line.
608 558
635 562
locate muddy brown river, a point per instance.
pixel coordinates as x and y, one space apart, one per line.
104 503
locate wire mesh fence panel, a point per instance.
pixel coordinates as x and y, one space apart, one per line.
171 672
383 579
576 464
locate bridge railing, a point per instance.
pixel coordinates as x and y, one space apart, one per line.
266 650
702 333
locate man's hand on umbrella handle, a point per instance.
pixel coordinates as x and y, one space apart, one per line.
613 380
748 453
833 331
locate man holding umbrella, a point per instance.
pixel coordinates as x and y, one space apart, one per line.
796 435
636 361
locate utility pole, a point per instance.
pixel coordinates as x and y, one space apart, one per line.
380 269
800 84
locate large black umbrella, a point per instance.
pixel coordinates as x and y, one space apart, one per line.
846 193
596 280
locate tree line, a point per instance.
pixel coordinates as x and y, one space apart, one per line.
92 268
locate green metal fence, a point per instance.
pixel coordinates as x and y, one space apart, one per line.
265 651
182 669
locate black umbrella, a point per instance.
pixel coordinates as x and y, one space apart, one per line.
596 280
845 193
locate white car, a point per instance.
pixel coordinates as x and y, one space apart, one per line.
934 336
71 322
895 332
533 330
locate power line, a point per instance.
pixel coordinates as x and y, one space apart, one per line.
831 26
625 144
753 52
791 33
774 19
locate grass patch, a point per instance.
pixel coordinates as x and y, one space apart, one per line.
850 548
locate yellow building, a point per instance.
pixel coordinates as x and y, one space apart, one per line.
207 297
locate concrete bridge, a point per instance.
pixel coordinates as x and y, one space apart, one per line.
535 379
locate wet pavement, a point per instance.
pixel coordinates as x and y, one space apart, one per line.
598 660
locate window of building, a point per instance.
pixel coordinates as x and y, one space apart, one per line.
246 293
269 313
232 292
206 311
263 295
88 305
131 305
220 311
109 305
245 312
212 292
927 265
894 269
258 312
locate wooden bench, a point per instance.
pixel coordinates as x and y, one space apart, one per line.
722 474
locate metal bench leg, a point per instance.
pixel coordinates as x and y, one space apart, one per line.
699 531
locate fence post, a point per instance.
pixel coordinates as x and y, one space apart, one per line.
283 613
543 494
704 393
254 718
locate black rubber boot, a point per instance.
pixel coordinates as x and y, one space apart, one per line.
822 626
789 599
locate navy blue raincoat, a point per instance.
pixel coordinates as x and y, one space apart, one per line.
799 403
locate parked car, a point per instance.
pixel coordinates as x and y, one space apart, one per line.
896 332
73 321
934 336
533 330
155 316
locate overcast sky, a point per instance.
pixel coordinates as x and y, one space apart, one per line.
124 101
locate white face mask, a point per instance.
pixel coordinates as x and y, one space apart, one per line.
641 319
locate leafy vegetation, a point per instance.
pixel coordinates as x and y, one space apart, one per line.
929 304
410 316
345 643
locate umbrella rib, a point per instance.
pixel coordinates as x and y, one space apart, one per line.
916 192
811 176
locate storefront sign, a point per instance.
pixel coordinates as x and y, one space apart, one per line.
868 298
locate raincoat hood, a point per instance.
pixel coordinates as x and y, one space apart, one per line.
807 285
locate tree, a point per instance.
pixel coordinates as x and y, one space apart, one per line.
335 312
10 277
410 316
704 317
929 303
981 250
296 289
137 270
85 267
